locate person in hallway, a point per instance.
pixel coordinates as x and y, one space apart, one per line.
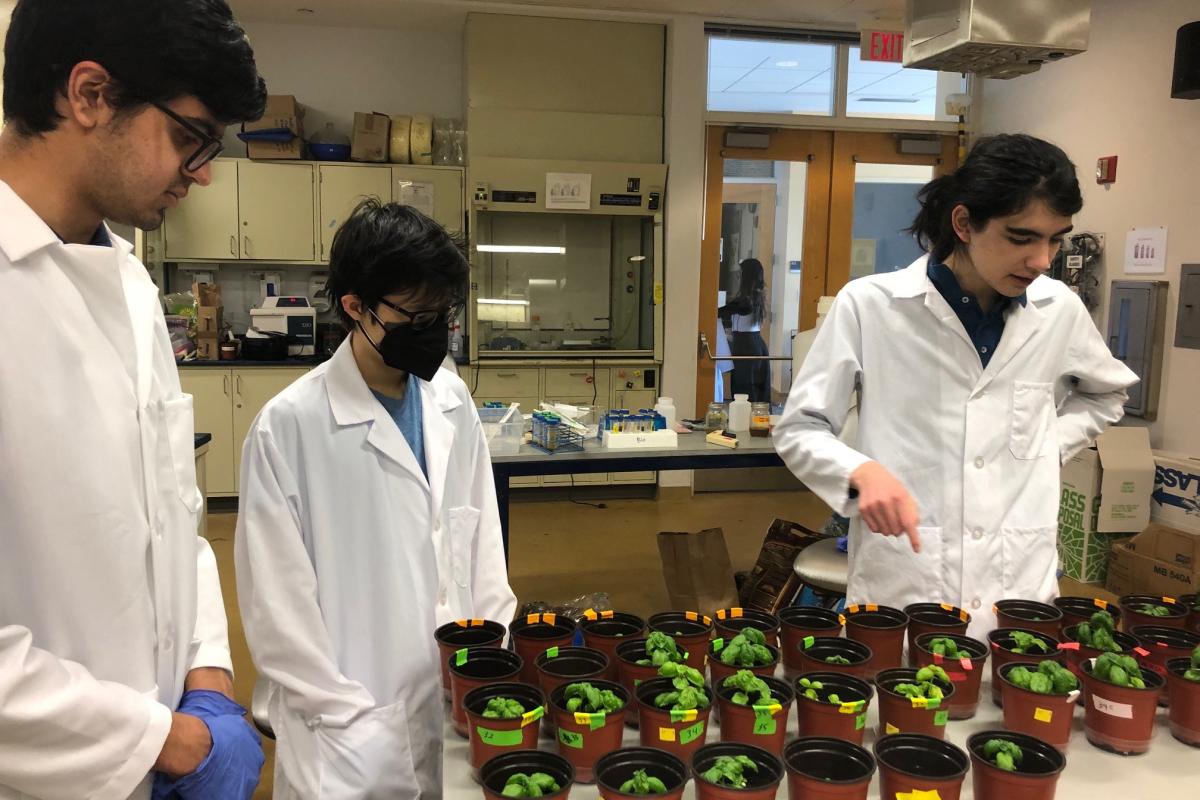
744 316
977 376
114 659
368 517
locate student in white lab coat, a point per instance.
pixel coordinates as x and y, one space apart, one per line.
368 518
977 376
114 659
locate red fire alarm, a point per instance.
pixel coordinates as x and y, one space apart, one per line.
1106 169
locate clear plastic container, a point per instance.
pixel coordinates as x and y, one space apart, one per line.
739 413
760 419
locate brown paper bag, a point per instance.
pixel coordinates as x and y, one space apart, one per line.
773 582
697 571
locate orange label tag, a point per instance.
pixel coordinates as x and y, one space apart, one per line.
872 607
1100 603
735 612
691 615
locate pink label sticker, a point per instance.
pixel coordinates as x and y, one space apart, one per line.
1122 710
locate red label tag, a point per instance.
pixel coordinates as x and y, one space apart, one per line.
966 664
1141 651
938 658
1068 646
957 677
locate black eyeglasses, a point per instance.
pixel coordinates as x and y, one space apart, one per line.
210 146
425 318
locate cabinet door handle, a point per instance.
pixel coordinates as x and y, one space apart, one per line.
246 246
239 386
232 244
226 381
578 374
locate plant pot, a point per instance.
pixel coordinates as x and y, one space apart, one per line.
798 623
1188 601
561 665
691 631
760 785
473 667
630 673
1184 702
1035 778
939 618
719 670
491 737
761 726
618 766
1120 719
1044 716
1001 642
678 732
454 636
1074 653
880 628
965 673
495 772
1131 617
583 738
533 635
607 630
910 762
901 714
847 721
1160 646
821 768
1029 615
1080 609
729 623
814 651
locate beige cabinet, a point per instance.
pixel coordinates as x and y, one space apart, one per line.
206 225
340 190
252 388
276 203
441 187
212 396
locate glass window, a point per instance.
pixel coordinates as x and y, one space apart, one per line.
769 76
886 89
885 204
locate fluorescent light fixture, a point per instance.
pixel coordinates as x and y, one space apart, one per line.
543 283
520 248
498 302
497 310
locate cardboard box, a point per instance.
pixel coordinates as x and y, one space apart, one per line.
369 140
209 319
275 151
1161 561
1176 497
282 112
1105 499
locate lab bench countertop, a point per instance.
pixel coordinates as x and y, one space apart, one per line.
299 361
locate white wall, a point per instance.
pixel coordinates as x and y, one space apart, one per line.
1115 100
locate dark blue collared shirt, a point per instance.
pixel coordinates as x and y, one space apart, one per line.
984 330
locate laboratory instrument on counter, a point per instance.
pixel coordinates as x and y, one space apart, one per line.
760 419
722 438
739 413
292 316
717 419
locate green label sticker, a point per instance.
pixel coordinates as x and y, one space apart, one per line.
460 657
596 720
718 645
941 717
570 738
860 722
765 726
688 735
637 682
499 738
552 652
808 642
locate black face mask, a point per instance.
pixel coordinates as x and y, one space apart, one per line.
420 352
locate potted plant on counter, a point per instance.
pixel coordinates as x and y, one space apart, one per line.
748 650
822 653
559 665
911 764
1159 645
635 772
732 621
798 623
963 659
534 634
691 631
502 717
822 768
1039 700
1146 609
911 700
1089 639
604 630
472 667
1010 645
1009 765
1080 609
462 633
729 770
940 618
832 705
673 710
639 659
1029 615
590 720
526 773
1121 700
880 628
754 710
1183 686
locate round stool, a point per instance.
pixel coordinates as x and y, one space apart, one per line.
823 567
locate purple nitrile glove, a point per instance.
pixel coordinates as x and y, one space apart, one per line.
232 767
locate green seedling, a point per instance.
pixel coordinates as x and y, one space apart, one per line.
503 708
812 689
730 771
1193 672
837 660
643 784
535 785
1151 610
1004 754
661 648
1024 643
748 686
926 686
943 646
747 649
1050 677
687 688
1119 670
1097 633
590 700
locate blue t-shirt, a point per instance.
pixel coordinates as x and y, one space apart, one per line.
407 414
985 330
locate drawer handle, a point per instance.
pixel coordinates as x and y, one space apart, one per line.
506 374
578 374
226 381
232 245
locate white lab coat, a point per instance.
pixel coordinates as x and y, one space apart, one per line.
979 449
347 560
107 595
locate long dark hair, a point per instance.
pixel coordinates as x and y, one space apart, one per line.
752 286
1000 176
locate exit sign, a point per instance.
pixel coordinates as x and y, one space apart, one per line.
882 46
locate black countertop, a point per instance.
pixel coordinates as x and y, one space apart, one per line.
202 439
299 361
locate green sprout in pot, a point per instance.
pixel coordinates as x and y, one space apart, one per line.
1193 672
747 649
643 784
1097 633
730 771
1024 643
842 660
747 685
944 646
812 690
1151 610
535 785
1004 754
1119 670
926 686
1050 677
688 688
590 700
661 648
503 708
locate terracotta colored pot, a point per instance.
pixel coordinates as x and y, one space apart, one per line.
760 785
1131 617
454 636
1184 702
491 737
630 673
814 651
799 622
1000 640
618 766
495 772
678 732
607 630
1029 615
901 714
880 628
1080 609
583 738
1160 646
730 622
560 665
939 618
534 634
762 726
910 762
1043 716
1034 779
1189 601
473 667
966 673
719 671
1074 652
691 631
847 721
1120 719
820 768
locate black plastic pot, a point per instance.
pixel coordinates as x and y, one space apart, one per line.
496 771
614 769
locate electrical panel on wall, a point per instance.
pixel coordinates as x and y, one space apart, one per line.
1078 266
1136 321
